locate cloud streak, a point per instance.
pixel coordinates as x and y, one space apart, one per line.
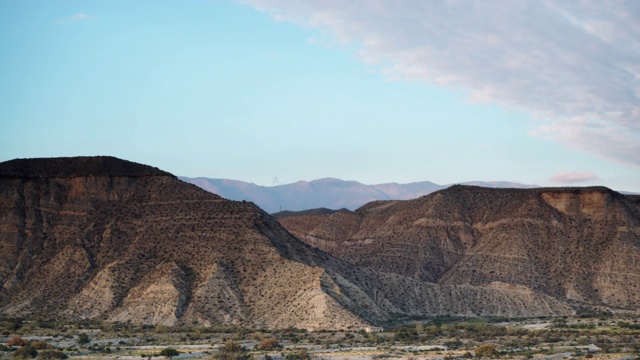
573 177
573 65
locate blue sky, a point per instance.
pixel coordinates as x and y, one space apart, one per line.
272 92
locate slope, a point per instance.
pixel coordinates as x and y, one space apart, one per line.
145 247
577 244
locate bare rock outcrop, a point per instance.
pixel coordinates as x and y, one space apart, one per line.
579 245
106 238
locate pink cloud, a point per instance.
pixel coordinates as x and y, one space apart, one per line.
572 177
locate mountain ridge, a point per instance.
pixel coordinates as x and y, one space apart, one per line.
330 193
579 244
151 249
68 167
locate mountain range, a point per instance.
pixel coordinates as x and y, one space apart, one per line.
100 237
578 245
105 238
328 193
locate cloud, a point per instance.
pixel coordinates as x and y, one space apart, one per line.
573 65
573 177
75 18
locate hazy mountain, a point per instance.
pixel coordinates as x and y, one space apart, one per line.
99 237
495 185
577 244
328 193
318 211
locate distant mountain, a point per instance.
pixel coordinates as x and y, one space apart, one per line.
318 211
497 184
328 193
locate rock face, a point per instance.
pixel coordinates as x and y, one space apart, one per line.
103 237
581 245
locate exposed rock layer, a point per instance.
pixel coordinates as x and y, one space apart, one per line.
577 244
77 241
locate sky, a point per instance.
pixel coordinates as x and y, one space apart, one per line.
275 91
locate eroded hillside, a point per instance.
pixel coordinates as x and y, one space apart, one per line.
145 247
577 244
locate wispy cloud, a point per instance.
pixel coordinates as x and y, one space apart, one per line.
573 177
75 18
573 65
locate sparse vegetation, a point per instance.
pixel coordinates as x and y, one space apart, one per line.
231 351
486 351
83 339
17 341
452 337
169 352
268 344
150 240
25 352
301 354
52 355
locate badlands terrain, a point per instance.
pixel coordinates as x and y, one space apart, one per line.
105 257
578 245
100 237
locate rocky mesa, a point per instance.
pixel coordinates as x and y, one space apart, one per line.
579 245
100 237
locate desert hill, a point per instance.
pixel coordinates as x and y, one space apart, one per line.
577 244
328 193
97 166
100 237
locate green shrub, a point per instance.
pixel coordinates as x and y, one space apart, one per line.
51 355
83 339
25 352
169 352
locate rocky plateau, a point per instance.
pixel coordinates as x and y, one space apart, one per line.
100 237
578 245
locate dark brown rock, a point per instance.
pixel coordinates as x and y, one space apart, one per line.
577 244
102 237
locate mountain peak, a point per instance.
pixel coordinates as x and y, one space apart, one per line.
331 180
155 250
328 192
